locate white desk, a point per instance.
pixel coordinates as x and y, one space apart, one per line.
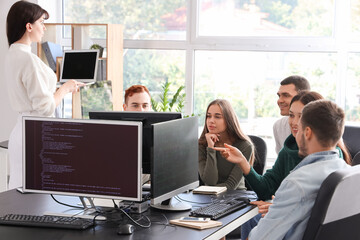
233 225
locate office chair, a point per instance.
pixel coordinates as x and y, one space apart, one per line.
352 140
336 212
356 159
260 156
260 153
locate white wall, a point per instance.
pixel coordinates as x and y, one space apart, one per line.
7 115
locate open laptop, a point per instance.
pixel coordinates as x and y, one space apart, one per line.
80 65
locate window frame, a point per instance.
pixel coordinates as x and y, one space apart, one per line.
340 43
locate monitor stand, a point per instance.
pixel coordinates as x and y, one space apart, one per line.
87 212
172 204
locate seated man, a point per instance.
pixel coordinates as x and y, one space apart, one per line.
137 98
320 129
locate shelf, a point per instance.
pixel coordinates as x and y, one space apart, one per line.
80 38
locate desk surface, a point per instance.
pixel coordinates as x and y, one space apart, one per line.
36 204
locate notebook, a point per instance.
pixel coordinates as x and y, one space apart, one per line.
209 190
196 225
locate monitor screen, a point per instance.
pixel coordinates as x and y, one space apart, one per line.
175 161
80 65
147 118
90 158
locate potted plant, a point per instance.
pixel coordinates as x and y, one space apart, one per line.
97 46
166 104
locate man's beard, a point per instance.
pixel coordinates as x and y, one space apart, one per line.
302 148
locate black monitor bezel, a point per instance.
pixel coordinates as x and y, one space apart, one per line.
147 118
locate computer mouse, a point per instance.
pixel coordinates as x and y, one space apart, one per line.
125 229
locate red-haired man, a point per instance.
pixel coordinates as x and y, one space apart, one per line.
137 99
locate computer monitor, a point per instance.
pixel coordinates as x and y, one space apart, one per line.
174 166
80 65
170 151
86 158
147 118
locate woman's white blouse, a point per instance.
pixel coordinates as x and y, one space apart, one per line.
31 83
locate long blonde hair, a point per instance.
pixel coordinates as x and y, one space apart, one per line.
232 125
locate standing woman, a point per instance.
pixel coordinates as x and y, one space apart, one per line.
222 126
31 83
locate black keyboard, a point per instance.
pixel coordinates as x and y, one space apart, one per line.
46 221
220 208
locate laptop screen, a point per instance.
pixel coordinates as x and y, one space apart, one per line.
80 65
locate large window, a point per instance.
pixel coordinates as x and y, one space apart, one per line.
236 49
154 67
266 18
250 80
150 20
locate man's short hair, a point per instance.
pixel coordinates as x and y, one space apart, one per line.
300 82
135 89
325 119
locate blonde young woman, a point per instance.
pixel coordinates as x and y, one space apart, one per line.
222 126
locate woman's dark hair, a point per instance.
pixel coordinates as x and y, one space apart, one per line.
306 97
19 15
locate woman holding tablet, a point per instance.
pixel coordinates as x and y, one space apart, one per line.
31 83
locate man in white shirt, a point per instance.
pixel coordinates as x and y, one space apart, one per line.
289 87
137 99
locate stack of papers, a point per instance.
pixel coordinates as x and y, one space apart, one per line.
209 190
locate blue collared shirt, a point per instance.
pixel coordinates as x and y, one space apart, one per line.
288 215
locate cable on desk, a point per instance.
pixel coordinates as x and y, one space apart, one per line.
167 224
68 205
94 219
180 199
98 212
117 209
134 221
115 205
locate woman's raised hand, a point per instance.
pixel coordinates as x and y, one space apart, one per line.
211 139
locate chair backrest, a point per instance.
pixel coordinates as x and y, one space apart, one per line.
352 139
260 154
336 212
356 159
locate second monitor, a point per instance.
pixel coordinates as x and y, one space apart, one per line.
147 119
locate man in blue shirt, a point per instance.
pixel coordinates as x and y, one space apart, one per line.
319 130
321 126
